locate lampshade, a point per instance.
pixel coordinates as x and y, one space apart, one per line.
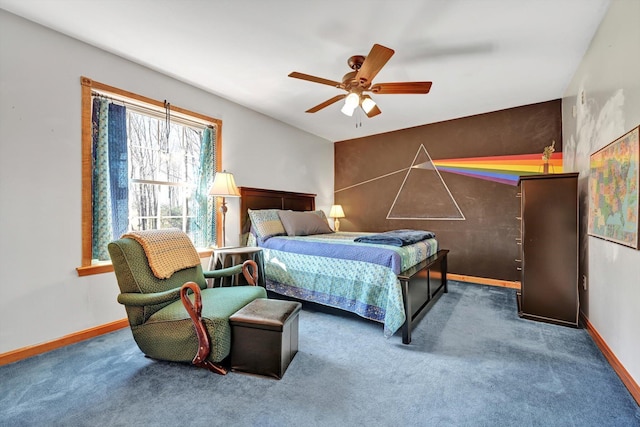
347 110
368 104
336 212
351 102
224 185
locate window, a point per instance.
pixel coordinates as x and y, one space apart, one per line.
163 170
146 165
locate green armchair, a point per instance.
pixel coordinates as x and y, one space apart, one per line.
179 318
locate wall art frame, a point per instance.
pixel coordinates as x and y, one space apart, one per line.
614 181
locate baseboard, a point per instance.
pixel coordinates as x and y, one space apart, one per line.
483 281
627 380
26 352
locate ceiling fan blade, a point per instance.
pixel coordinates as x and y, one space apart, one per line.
373 63
314 79
326 103
402 87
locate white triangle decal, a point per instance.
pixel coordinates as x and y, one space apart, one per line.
423 194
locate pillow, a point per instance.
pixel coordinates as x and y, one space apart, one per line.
304 223
251 240
266 223
320 214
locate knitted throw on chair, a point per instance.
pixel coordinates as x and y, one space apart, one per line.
168 250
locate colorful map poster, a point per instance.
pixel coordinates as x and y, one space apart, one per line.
613 190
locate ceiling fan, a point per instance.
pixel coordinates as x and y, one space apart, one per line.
360 80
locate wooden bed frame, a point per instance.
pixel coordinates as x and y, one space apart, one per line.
422 284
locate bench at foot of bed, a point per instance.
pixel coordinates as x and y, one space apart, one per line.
422 285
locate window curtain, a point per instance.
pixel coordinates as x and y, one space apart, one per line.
204 223
110 180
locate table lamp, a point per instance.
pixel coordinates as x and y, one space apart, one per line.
335 213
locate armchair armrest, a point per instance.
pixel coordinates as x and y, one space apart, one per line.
194 308
249 270
223 272
251 276
137 299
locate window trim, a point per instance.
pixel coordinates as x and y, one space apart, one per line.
87 84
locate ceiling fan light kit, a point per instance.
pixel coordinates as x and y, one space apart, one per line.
368 104
347 110
360 80
351 102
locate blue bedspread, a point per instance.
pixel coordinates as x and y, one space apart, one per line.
397 237
334 270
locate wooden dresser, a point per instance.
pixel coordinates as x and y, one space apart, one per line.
549 248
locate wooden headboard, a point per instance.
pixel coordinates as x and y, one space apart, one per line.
258 198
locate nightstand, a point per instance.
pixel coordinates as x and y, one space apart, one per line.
230 256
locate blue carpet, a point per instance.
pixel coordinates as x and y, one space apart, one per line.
472 362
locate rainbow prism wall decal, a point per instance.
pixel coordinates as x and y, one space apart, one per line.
503 169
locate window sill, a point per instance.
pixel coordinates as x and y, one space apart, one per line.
107 267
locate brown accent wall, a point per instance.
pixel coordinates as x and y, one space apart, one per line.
370 171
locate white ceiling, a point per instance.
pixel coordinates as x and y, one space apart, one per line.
482 55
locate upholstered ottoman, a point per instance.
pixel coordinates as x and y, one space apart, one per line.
264 337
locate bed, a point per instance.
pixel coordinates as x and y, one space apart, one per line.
392 285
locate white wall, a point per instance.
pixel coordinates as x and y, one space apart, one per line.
41 296
609 79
